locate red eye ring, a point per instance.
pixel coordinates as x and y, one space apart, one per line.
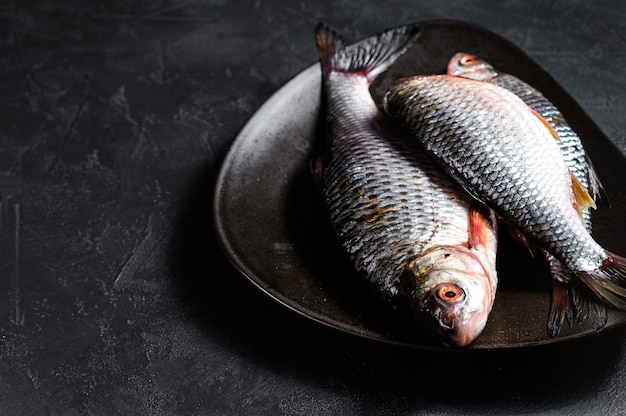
449 292
466 60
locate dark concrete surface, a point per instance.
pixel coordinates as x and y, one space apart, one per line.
115 297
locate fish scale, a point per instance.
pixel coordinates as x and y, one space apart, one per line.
569 143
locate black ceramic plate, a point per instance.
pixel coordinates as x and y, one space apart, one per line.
271 222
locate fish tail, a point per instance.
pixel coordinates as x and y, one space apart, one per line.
570 301
370 57
608 282
589 311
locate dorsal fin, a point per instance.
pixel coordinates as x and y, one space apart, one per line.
596 190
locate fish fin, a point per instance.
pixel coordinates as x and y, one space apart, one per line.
545 122
574 303
571 301
582 199
608 282
560 308
596 190
370 57
328 44
482 227
588 310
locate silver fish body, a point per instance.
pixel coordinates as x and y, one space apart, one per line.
503 154
572 149
568 300
403 223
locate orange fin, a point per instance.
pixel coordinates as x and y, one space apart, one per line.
546 123
482 227
582 199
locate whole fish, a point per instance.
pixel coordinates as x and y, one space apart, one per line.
568 300
421 243
505 155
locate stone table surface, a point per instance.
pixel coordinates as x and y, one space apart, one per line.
115 297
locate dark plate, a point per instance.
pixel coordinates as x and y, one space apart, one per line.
271 222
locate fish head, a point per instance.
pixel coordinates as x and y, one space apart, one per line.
451 293
469 66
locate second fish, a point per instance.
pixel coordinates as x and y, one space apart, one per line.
506 155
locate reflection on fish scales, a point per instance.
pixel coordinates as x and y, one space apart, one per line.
424 245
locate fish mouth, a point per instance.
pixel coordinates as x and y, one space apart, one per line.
451 330
463 335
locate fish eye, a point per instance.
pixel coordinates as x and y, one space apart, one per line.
450 293
467 60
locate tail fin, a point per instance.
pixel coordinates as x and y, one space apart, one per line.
589 311
608 282
370 57
571 300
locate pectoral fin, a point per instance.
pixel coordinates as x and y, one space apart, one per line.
482 227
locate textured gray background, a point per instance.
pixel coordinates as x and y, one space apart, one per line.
114 297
